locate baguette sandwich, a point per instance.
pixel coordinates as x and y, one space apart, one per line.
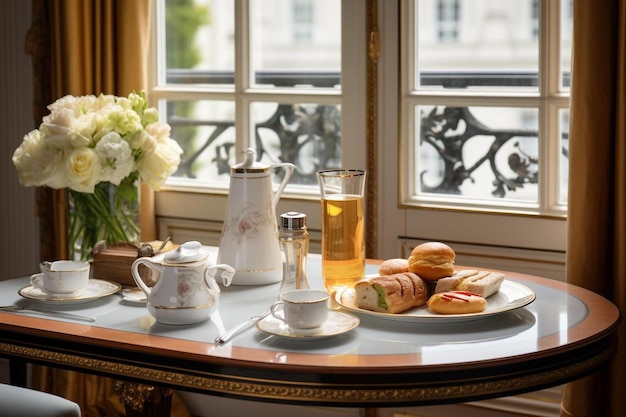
483 283
391 293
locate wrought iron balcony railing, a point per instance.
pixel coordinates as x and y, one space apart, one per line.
318 130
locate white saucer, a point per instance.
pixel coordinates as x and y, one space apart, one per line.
134 295
338 322
96 289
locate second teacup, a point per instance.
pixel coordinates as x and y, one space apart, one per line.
62 278
302 309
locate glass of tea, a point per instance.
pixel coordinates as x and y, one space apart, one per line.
343 227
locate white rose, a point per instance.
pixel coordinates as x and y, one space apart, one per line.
156 167
57 135
56 126
87 103
68 102
61 118
82 130
48 168
160 131
82 169
116 158
64 130
29 146
37 164
101 102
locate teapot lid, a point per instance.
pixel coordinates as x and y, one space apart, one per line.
191 251
250 164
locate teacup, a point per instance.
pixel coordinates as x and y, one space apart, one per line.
62 278
302 309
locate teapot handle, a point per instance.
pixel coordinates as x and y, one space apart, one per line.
137 277
289 169
227 275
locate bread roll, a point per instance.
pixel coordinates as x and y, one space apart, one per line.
483 283
391 293
393 266
432 260
456 302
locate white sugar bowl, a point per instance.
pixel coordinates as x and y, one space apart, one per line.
186 291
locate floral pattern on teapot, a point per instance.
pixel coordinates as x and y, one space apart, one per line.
192 289
245 224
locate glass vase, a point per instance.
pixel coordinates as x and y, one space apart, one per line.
109 214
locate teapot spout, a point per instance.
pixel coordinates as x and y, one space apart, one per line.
227 274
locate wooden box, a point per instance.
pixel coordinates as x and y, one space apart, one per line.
113 263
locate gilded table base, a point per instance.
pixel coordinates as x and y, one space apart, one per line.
142 400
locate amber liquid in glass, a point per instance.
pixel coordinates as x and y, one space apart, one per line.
343 241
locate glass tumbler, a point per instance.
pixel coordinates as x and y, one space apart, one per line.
343 227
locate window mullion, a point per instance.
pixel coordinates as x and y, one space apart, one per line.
242 75
549 49
550 90
408 42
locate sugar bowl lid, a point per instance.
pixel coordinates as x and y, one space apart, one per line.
191 251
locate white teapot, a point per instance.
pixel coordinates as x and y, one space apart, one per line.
185 292
249 240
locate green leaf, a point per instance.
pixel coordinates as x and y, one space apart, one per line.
381 297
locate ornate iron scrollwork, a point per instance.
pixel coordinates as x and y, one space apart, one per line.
300 125
297 127
442 130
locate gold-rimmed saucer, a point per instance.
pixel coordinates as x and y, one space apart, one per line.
338 322
97 288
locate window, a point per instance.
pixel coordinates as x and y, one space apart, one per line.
472 112
267 74
282 97
486 110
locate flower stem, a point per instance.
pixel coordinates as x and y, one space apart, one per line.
111 214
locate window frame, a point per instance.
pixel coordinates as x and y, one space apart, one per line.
185 212
549 99
194 206
488 237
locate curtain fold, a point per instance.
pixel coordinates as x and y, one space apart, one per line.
86 47
596 252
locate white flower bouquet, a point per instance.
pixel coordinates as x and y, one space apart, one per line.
92 145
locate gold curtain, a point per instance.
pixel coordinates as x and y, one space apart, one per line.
596 252
86 47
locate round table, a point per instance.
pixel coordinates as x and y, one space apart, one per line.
564 334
